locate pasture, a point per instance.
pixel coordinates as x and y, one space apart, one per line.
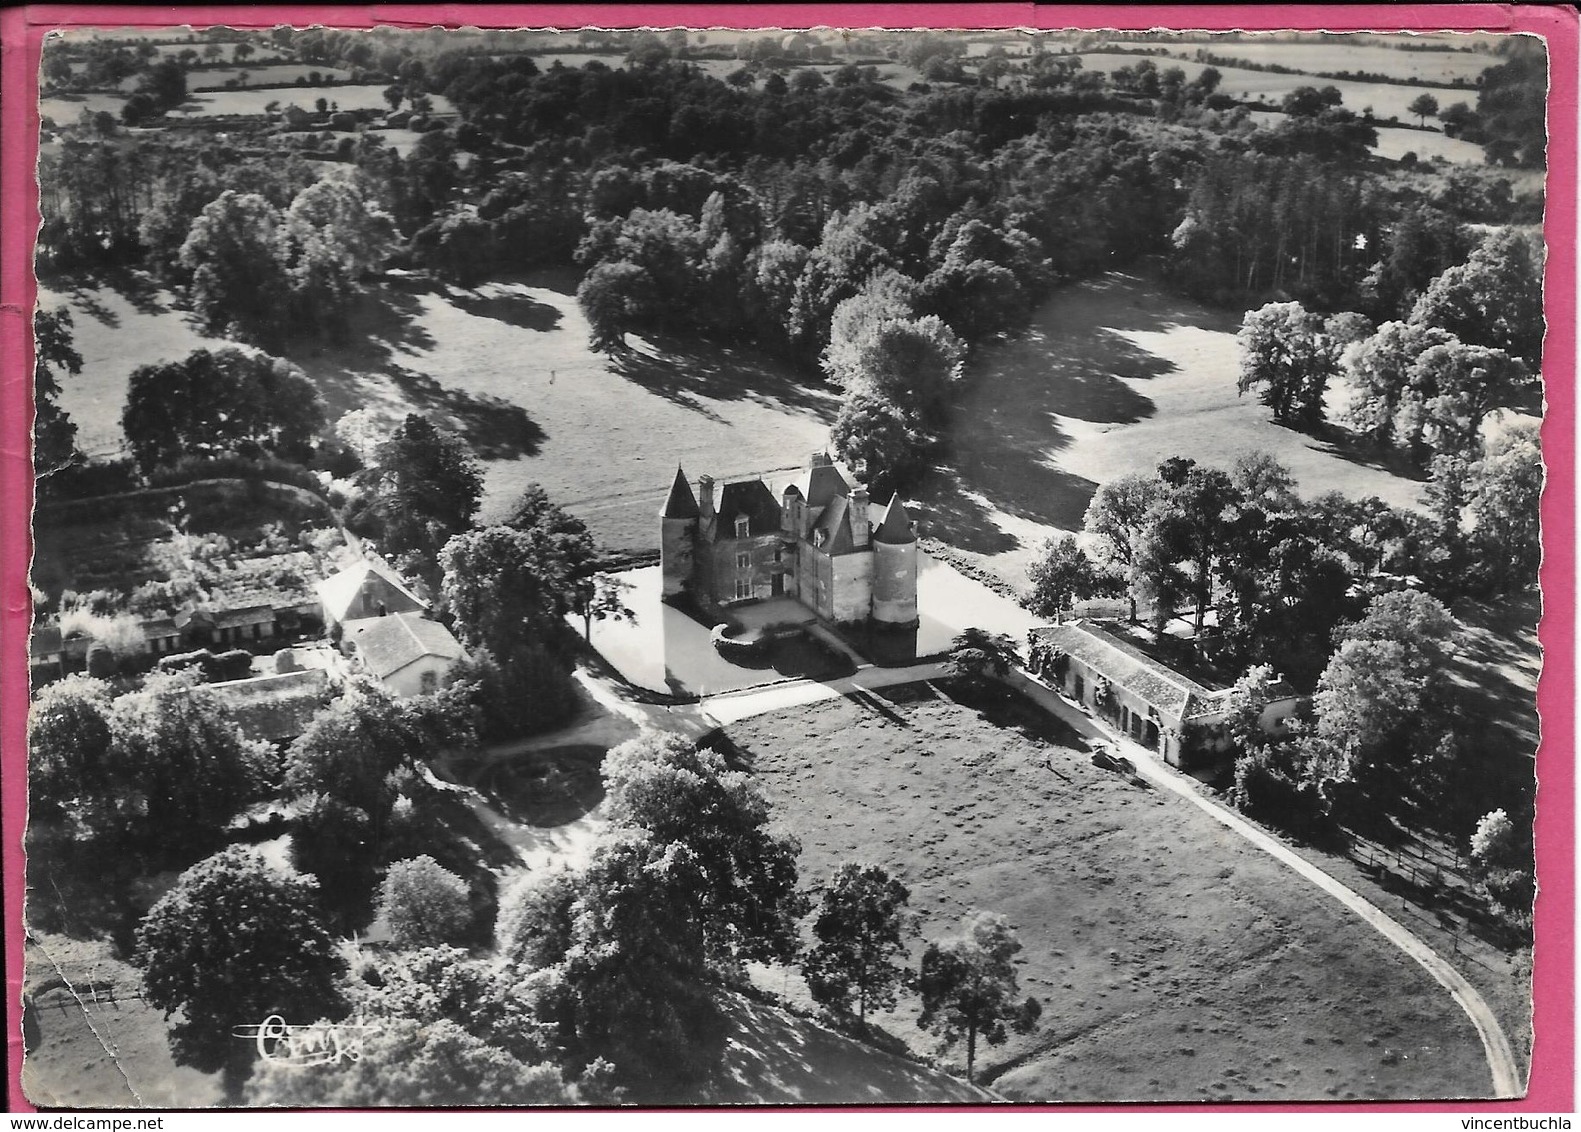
1114 375
1385 100
508 366
1310 58
249 100
1173 961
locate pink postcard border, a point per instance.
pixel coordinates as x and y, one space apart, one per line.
22 29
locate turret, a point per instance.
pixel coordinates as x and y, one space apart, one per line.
705 498
895 567
678 536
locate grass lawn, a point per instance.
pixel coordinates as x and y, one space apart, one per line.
509 367
1114 375
1173 961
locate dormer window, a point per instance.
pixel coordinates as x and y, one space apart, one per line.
741 527
817 538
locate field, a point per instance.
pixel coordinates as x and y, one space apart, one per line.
1386 100
1171 959
1114 376
509 367
1394 142
1313 58
368 96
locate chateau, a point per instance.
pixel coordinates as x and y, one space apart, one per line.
818 543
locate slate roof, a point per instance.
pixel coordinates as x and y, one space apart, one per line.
682 504
339 591
753 499
896 524
820 484
1126 666
389 644
835 525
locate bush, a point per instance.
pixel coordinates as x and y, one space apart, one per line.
1272 789
181 661
235 664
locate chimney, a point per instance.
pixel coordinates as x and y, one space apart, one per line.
820 460
860 522
705 497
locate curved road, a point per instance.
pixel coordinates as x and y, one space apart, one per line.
1502 1065
714 711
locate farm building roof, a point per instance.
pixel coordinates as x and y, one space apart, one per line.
389 644
273 708
339 591
253 615
1128 667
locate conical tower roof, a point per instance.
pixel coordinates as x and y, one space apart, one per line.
682 504
896 526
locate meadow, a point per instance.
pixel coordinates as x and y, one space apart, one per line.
1332 58
1164 972
1385 100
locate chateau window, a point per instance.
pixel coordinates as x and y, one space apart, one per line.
778 555
430 681
743 588
741 527
743 562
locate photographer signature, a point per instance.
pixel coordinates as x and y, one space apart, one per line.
319 1043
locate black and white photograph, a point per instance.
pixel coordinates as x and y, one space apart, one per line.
784 566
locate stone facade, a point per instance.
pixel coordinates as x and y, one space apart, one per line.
820 541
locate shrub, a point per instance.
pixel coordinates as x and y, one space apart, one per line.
235 664
1272 788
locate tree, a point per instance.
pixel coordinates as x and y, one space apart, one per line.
1290 353
236 942
191 768
1381 369
54 433
406 1064
228 402
968 986
976 655
1117 520
678 794
1494 299
1457 119
333 235
602 597
71 773
1504 491
506 587
885 441
1060 575
242 51
1187 525
424 903
614 297
1455 386
353 747
1424 106
910 363
166 84
423 487
237 278
612 958
861 928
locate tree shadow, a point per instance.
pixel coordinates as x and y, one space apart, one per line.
1337 440
688 371
138 288
494 427
512 309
